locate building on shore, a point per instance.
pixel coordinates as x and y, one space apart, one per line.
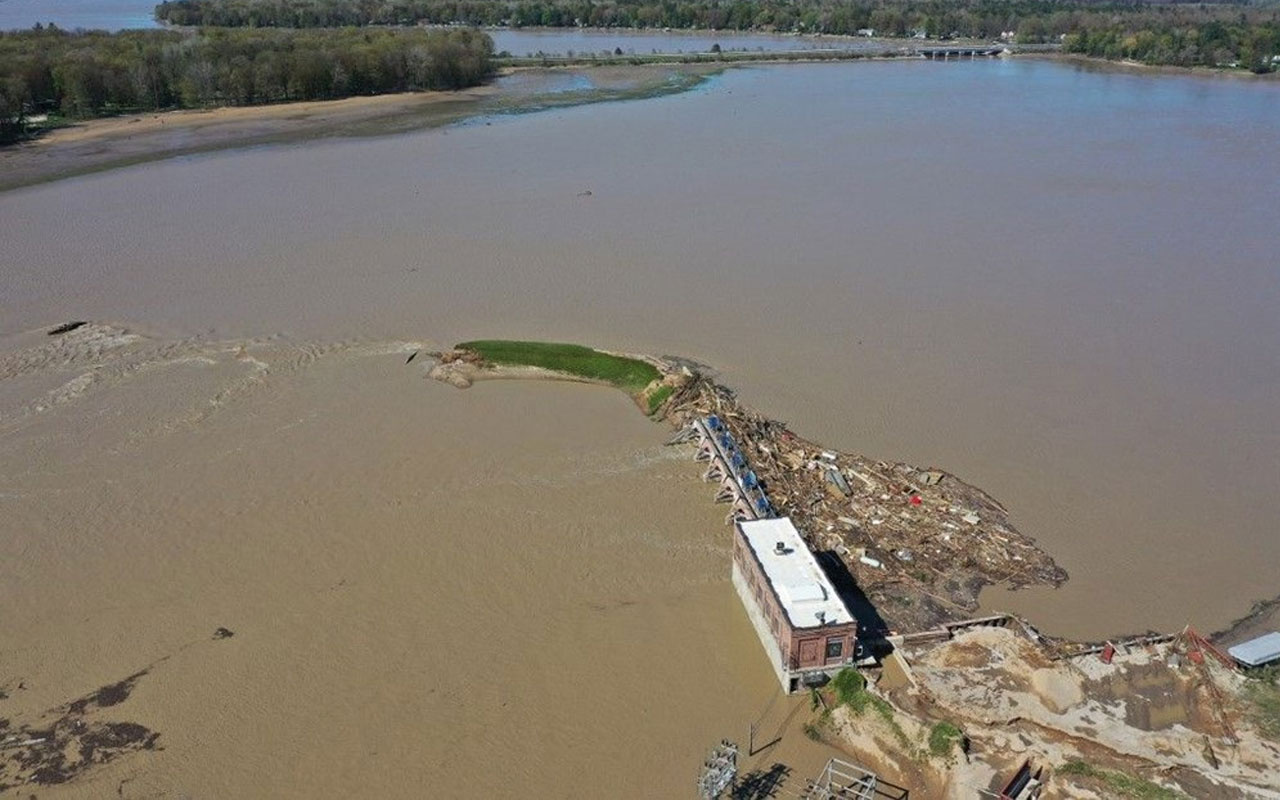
806 629
1259 652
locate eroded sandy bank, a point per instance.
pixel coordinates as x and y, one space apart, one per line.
102 144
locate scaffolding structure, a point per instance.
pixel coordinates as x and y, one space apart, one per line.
841 780
719 770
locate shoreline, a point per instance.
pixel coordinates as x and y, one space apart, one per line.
111 142
1097 64
107 143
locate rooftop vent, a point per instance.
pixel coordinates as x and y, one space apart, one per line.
780 548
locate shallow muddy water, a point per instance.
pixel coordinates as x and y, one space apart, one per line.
1058 284
430 592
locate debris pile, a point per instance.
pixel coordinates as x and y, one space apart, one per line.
455 367
71 740
920 542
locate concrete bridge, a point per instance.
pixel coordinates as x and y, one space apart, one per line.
727 465
947 53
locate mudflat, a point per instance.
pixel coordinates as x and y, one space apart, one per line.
117 141
100 144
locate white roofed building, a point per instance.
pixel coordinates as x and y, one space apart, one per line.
803 624
1257 652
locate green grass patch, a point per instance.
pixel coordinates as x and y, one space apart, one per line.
1124 784
629 374
658 397
851 690
943 739
878 704
850 687
1262 698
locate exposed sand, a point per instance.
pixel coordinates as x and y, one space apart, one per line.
101 144
1147 713
104 143
210 121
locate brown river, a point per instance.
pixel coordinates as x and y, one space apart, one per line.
1059 284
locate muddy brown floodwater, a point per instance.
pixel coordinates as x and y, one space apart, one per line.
512 590
1057 284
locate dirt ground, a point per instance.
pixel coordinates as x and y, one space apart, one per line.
1155 715
105 143
101 144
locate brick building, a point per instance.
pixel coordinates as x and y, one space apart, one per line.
805 627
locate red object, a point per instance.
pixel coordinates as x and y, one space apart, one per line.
1108 653
915 500
1196 656
1205 646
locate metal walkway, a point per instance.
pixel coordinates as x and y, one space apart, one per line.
727 464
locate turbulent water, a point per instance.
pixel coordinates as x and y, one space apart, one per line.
1058 284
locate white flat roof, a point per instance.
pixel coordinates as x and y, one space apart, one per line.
802 587
1257 652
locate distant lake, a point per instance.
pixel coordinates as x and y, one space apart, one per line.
109 15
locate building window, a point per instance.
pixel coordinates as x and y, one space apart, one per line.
835 648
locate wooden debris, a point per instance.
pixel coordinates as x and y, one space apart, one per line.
959 539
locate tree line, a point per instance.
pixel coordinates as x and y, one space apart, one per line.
1247 39
975 18
87 74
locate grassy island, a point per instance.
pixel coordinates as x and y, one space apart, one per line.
629 374
636 377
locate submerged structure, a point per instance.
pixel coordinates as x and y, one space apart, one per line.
804 626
